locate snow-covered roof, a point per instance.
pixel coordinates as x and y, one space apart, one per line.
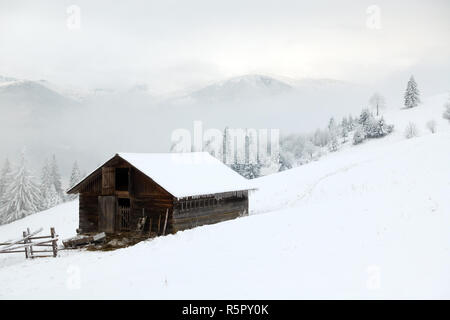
188 174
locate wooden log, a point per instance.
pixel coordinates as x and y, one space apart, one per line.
26 245
40 237
14 242
8 243
14 251
76 242
99 236
38 251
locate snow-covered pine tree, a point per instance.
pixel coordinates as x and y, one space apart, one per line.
344 132
5 177
75 177
284 162
309 150
5 181
321 137
56 179
364 117
344 123
334 143
331 124
52 198
333 135
46 187
412 94
359 135
22 196
252 168
351 123
227 157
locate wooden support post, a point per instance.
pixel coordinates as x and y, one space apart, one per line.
54 242
25 241
159 224
165 222
150 227
31 248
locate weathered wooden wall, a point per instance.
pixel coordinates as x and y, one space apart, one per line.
149 199
190 213
88 216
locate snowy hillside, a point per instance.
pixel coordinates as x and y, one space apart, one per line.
369 221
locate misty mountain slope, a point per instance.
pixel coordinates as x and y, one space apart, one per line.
34 97
368 222
242 87
102 122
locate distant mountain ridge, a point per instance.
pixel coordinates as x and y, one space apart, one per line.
242 87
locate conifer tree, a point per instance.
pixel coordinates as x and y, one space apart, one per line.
5 181
75 177
412 94
446 114
56 179
5 177
22 195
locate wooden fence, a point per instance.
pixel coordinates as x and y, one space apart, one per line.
32 245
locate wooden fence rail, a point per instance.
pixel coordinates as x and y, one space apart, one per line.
32 248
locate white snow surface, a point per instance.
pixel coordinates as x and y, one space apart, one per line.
369 221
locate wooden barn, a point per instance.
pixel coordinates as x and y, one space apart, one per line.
159 193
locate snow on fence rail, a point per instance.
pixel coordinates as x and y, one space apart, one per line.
39 248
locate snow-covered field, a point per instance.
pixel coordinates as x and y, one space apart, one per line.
369 221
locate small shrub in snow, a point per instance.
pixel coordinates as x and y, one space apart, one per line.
378 128
411 130
432 125
446 114
359 135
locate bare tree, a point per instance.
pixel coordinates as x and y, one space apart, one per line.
432 125
411 130
377 101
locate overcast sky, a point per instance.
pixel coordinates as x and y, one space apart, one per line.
171 45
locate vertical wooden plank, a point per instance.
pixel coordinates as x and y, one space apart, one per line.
24 234
54 244
107 213
30 248
165 222
108 180
159 224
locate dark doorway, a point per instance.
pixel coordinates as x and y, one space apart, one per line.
122 179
